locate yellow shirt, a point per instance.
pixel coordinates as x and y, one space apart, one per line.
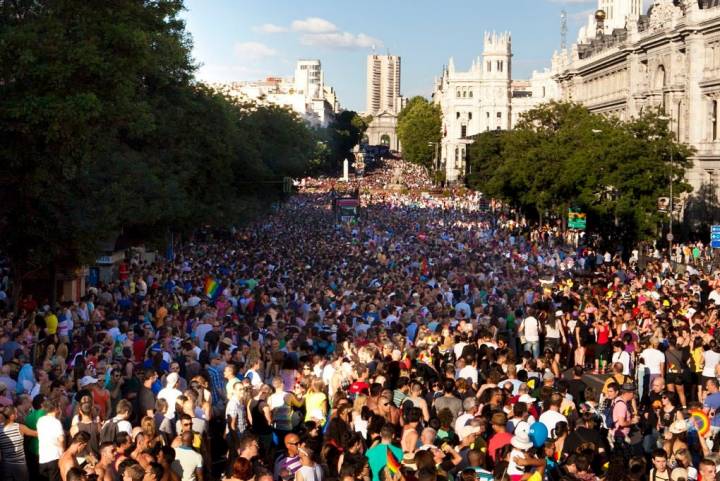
697 355
51 323
315 401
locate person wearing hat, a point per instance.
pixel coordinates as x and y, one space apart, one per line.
170 393
501 436
100 396
521 461
624 417
676 437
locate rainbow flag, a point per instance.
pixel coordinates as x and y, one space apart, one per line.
392 462
424 267
212 288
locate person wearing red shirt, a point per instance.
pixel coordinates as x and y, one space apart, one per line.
501 437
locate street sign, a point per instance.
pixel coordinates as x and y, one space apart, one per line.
715 236
576 219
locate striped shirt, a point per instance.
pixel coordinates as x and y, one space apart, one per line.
11 444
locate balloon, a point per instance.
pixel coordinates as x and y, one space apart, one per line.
538 434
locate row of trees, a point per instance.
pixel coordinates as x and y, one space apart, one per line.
419 131
103 130
560 155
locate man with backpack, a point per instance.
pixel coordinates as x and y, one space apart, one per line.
624 420
120 423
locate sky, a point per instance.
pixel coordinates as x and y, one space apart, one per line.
236 40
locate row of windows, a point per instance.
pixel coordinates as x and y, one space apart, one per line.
464 92
499 65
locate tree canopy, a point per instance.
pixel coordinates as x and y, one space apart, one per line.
560 155
103 130
419 125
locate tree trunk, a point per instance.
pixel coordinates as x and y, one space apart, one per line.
53 284
16 289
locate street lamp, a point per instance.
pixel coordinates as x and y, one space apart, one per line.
436 159
670 233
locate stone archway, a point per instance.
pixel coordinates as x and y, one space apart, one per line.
385 140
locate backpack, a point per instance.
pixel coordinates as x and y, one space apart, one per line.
608 414
109 432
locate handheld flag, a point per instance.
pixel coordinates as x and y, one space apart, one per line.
701 421
392 462
212 288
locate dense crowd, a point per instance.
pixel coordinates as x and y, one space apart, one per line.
430 340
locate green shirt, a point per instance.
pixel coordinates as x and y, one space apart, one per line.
377 458
31 421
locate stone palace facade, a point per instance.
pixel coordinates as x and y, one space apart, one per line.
484 98
667 58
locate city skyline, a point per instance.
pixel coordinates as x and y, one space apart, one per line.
250 40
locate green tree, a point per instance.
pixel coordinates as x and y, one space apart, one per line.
561 155
419 126
103 129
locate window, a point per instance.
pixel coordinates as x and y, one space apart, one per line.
458 93
488 115
464 93
543 92
469 115
499 115
488 66
470 93
463 131
499 65
714 119
457 115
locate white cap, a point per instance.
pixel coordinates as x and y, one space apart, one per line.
526 398
87 380
171 379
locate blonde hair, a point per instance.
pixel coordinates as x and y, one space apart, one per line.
359 403
148 427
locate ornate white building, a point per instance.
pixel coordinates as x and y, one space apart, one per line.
627 60
484 98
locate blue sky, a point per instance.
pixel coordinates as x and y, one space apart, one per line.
253 39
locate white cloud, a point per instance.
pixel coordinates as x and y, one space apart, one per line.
229 73
341 40
253 50
314 25
580 16
269 28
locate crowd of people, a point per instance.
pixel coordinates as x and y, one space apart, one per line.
430 340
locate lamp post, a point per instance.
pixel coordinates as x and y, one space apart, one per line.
670 237
436 159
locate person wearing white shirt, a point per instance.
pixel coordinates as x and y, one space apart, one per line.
254 375
469 408
654 360
714 296
170 393
620 355
530 329
469 371
552 416
51 442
